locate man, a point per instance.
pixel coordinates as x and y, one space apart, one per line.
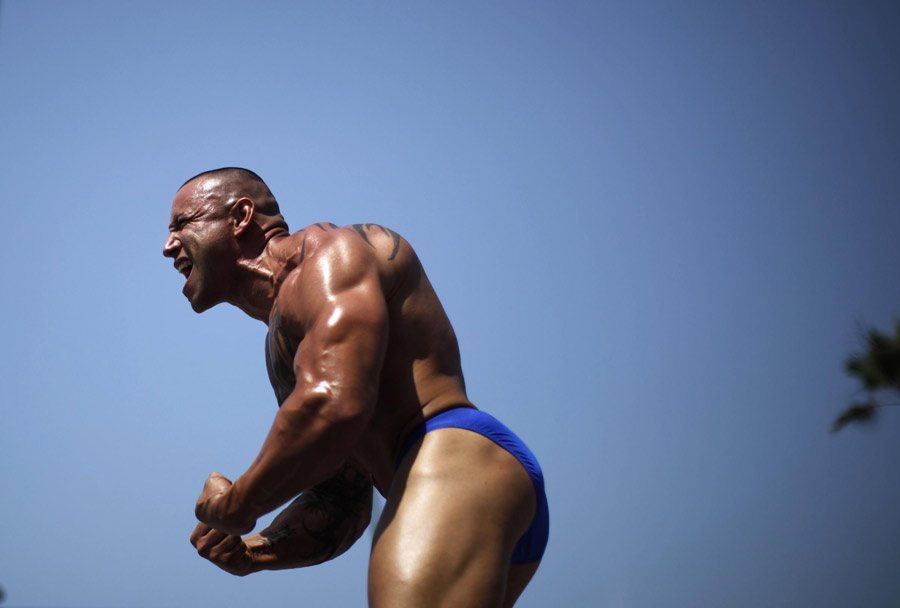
366 370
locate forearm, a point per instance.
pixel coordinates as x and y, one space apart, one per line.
320 525
307 443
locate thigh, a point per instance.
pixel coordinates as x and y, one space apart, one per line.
457 507
519 577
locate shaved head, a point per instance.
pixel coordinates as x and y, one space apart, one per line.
234 183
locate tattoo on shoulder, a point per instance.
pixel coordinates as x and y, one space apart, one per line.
363 229
322 226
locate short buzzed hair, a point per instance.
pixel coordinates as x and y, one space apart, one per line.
244 182
239 172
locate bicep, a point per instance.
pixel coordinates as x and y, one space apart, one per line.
340 357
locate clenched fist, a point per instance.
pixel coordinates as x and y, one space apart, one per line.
216 507
227 551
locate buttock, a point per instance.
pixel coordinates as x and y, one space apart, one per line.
530 547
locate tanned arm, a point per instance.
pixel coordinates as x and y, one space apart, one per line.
318 526
338 310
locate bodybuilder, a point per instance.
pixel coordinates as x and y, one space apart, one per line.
366 370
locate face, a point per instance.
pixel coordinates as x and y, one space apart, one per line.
202 243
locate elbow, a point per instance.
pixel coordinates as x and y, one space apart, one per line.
362 523
337 419
338 407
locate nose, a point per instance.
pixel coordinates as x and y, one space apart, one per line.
170 249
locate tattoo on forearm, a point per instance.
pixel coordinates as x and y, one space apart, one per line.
270 538
328 519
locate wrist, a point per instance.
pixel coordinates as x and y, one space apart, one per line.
259 550
236 517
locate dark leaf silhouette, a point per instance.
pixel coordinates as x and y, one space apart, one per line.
859 412
879 366
876 368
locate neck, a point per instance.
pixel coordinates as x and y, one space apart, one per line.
256 287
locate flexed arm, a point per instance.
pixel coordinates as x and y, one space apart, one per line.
318 526
337 310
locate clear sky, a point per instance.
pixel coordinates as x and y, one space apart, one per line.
657 227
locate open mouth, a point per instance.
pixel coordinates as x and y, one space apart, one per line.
184 267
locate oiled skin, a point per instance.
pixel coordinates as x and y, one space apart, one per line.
420 372
359 352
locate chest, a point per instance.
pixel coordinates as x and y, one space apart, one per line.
280 351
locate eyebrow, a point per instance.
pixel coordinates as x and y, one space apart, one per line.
177 218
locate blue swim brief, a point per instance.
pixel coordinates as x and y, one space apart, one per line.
530 547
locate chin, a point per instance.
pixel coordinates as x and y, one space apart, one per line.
203 294
198 302
200 307
201 304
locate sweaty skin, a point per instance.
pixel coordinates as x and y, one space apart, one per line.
359 352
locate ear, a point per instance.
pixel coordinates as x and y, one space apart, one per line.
242 215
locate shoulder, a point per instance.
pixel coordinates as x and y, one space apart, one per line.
331 261
325 248
340 256
347 251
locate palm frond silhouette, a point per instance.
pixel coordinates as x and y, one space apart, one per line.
877 368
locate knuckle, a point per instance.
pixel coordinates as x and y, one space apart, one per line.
231 543
196 536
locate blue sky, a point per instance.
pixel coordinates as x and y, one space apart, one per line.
657 227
